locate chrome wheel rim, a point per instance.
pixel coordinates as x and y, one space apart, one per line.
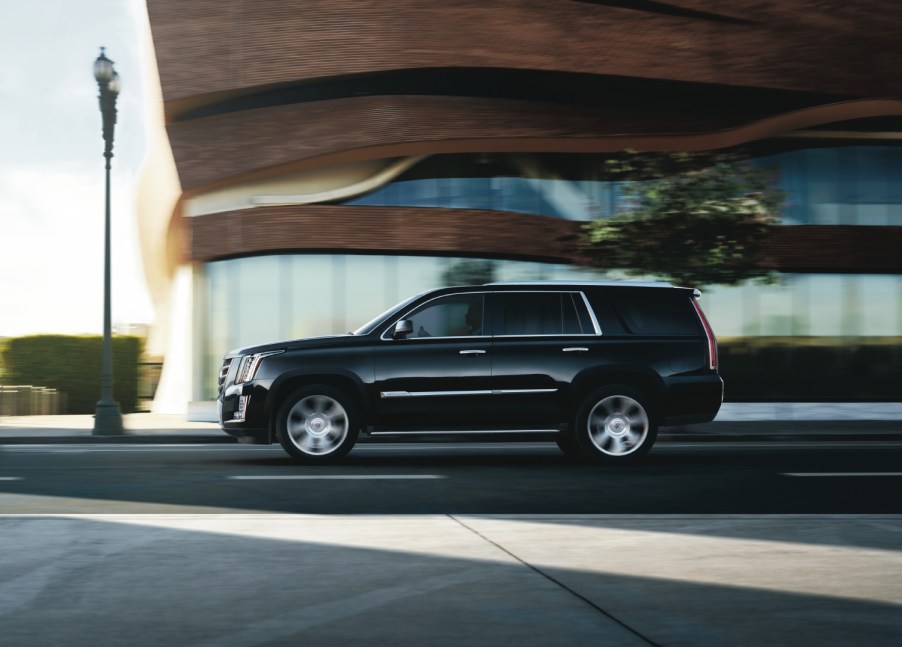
618 425
317 425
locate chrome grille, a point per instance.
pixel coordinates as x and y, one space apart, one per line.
223 372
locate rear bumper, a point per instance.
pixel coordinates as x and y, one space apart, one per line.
690 400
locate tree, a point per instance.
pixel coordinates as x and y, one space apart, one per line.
691 218
469 272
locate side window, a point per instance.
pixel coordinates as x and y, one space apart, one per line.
608 319
656 311
582 313
537 313
457 315
569 319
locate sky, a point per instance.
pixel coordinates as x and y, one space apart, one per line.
52 165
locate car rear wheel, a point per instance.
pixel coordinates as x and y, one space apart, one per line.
567 444
615 424
317 424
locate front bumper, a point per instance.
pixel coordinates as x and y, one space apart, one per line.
242 412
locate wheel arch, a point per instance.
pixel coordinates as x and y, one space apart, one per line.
287 383
640 378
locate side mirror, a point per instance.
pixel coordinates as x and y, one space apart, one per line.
403 328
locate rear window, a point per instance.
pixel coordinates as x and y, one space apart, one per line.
652 311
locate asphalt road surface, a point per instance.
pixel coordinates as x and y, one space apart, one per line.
443 478
790 543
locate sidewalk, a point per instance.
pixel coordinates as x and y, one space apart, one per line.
736 421
449 580
139 427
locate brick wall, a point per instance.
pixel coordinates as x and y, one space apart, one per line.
206 47
495 234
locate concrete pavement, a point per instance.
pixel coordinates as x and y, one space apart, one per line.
447 580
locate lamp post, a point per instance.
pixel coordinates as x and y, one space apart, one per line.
107 417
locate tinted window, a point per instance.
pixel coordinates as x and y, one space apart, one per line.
655 311
458 315
585 321
537 313
608 320
568 315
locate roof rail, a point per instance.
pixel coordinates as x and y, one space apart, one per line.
643 284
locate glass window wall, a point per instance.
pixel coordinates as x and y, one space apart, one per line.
851 185
266 298
808 305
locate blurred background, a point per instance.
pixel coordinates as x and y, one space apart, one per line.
291 169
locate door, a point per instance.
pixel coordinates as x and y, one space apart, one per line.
542 341
438 376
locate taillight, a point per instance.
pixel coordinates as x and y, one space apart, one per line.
712 341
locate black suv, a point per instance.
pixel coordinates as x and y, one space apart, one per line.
598 365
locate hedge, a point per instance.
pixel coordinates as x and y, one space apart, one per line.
811 369
72 365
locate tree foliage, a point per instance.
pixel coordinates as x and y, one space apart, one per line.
692 218
469 272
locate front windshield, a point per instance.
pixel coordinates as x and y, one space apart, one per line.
372 324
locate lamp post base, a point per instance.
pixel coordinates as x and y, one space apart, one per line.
107 420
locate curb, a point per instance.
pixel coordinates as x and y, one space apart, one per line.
724 431
129 439
663 437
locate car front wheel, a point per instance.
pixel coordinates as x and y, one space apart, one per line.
317 424
615 424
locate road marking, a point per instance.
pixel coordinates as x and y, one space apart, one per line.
10 478
719 445
831 474
337 477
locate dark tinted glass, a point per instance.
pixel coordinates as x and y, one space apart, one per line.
568 316
537 313
582 313
608 319
655 311
457 315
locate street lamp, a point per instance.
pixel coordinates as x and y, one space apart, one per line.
107 417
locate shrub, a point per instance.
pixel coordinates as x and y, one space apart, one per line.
72 364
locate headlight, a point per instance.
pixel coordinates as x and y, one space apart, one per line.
249 365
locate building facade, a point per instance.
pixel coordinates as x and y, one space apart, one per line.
335 157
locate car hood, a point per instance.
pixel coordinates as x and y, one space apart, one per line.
292 344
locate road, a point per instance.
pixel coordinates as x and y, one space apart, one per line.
448 544
442 478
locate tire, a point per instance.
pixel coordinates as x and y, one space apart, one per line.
317 424
567 444
615 424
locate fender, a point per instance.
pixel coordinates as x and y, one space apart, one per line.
641 377
325 371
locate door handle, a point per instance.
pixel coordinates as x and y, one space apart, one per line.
576 349
472 352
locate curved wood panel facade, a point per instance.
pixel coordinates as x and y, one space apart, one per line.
797 44
377 229
494 234
239 145
252 89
